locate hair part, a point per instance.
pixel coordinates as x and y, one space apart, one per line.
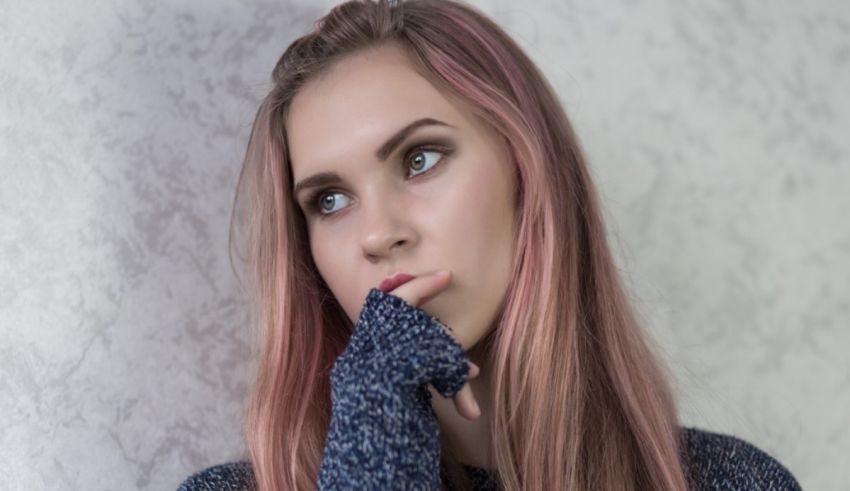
580 400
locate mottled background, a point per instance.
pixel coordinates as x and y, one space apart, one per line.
716 131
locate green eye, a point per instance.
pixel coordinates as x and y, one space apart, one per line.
418 163
322 202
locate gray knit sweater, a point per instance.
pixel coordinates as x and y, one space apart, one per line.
384 434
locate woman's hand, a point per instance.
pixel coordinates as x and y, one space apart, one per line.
418 291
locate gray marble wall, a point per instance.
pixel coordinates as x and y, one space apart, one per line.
714 130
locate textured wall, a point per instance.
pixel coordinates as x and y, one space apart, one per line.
714 130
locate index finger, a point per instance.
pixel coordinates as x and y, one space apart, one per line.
422 288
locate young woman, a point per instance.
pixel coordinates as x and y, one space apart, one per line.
399 141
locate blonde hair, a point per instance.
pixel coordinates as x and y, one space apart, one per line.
580 399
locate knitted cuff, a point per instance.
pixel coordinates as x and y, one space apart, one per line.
405 345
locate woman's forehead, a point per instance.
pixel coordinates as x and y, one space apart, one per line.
357 109
359 91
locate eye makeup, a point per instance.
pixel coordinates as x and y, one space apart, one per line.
439 145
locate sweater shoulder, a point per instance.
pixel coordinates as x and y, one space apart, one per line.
713 460
231 476
720 461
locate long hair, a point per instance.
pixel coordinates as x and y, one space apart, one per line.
580 399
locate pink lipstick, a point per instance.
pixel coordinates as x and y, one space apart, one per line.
394 282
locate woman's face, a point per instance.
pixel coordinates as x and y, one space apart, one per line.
396 207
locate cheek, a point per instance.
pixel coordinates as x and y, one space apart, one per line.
477 218
330 264
481 211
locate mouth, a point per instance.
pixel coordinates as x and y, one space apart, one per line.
393 282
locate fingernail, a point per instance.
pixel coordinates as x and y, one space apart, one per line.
442 272
475 409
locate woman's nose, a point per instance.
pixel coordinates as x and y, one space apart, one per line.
385 228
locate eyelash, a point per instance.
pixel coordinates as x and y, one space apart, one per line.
313 200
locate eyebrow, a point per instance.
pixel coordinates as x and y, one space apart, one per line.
382 153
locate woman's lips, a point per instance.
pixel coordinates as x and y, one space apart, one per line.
396 281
